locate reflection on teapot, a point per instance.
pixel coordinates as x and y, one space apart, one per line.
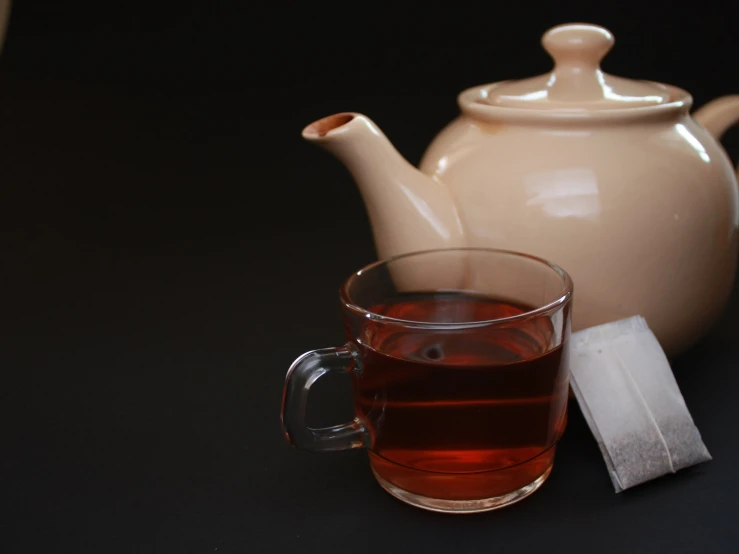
609 177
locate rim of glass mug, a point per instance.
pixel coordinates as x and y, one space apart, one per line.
552 306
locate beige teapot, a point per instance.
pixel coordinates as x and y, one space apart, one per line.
609 177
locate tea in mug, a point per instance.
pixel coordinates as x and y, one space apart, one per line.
460 415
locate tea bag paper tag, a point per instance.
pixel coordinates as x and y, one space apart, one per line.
627 392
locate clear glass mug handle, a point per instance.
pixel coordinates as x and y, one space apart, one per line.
301 376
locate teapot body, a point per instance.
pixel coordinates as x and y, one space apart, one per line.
644 217
608 177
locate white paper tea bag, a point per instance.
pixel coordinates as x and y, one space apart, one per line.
628 395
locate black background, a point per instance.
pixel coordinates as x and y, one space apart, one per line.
169 244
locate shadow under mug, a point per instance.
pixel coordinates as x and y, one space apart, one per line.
458 360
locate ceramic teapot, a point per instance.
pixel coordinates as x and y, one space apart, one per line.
610 178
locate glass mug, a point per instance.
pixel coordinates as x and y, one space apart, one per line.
458 360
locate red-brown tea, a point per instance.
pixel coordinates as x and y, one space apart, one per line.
472 414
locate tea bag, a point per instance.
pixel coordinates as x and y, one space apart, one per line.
628 395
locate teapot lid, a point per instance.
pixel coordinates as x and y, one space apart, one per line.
576 83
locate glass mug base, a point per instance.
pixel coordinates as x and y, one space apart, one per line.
463 493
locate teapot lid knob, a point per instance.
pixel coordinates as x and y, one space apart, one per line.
578 44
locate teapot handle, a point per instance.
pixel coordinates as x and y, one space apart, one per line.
718 115
5 8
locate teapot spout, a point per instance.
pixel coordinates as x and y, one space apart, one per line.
408 210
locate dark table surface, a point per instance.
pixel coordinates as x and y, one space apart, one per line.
169 245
